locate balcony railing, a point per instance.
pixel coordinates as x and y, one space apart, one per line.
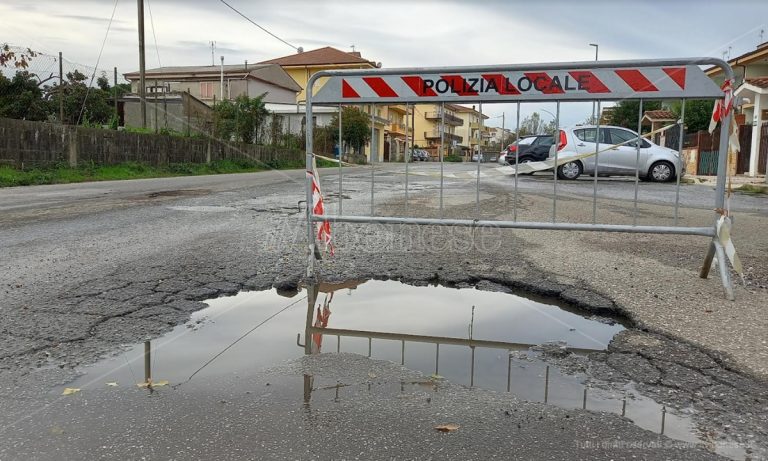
399 128
435 134
450 119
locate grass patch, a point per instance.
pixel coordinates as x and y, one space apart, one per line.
63 174
753 189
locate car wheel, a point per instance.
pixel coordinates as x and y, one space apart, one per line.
661 172
525 160
569 171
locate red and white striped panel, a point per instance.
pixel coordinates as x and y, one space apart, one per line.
566 84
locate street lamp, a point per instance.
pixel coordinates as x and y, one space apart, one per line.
554 117
593 102
502 117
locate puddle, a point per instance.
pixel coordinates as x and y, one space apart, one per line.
471 337
203 208
178 193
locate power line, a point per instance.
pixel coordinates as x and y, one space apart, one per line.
154 37
252 22
240 339
93 75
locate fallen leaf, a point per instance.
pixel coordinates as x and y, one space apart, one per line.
56 430
436 377
113 384
371 375
70 390
447 427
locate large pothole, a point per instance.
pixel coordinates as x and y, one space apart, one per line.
534 349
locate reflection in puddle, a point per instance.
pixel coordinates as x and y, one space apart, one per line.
471 337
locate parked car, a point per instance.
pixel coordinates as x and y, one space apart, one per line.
419 155
484 157
657 163
529 149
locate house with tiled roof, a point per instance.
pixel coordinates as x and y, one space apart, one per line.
751 97
475 134
181 98
205 82
300 66
388 121
657 119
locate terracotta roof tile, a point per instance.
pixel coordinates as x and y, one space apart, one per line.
327 55
761 82
660 115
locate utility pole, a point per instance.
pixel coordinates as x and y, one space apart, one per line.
61 89
503 132
221 96
213 51
142 83
114 87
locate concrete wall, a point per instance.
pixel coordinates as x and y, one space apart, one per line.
26 144
177 111
160 115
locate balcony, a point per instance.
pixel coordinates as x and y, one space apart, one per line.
450 119
435 134
398 108
397 128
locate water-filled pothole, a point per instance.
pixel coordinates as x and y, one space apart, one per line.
477 338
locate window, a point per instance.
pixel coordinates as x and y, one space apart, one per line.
157 89
526 141
588 135
206 90
623 136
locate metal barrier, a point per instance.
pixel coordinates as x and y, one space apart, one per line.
598 81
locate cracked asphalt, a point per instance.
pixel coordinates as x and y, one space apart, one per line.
89 268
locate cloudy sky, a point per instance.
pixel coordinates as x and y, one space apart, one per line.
395 32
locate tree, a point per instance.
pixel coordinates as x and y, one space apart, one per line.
241 119
22 98
355 128
534 125
626 112
94 108
698 113
19 59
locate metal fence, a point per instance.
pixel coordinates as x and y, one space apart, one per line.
643 80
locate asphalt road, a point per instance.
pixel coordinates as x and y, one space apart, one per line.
87 268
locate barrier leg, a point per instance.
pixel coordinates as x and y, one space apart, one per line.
725 275
708 260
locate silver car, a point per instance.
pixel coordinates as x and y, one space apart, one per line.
656 163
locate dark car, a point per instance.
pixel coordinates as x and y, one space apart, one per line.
529 149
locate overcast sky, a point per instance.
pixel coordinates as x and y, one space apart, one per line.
395 33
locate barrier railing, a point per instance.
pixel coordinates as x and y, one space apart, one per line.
598 81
